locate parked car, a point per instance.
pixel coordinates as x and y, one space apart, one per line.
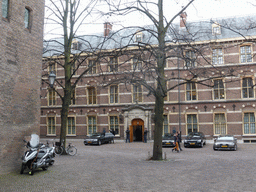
168 140
225 142
99 138
195 139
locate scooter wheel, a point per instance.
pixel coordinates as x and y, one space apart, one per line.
22 168
44 168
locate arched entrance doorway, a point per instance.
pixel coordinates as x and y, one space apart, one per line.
137 130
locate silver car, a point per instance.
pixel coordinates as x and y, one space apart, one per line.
225 142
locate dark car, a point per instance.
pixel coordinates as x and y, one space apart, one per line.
168 140
225 142
195 139
99 138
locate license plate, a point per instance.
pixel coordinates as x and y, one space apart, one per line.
168 143
224 146
89 142
192 143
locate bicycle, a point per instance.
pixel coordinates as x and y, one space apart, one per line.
70 149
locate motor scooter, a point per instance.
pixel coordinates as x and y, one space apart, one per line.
38 156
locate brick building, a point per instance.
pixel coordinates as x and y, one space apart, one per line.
213 65
21 62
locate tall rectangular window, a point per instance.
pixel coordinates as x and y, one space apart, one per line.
71 126
192 123
114 94
5 8
113 65
190 59
218 89
51 97
92 67
217 56
165 124
191 91
27 18
114 124
92 127
73 97
137 93
220 123
245 54
137 63
91 95
51 126
249 123
247 88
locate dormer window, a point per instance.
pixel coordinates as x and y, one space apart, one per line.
216 30
139 37
76 45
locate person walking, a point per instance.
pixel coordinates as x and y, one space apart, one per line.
179 139
176 148
127 135
145 135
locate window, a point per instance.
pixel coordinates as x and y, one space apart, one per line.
114 94
139 37
92 128
92 67
76 45
191 91
165 124
91 95
217 56
51 130
245 54
73 97
137 63
249 123
220 123
190 59
71 126
27 18
192 123
113 65
5 8
247 88
51 97
218 89
137 93
114 124
216 30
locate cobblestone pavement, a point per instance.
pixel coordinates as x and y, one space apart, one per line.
123 167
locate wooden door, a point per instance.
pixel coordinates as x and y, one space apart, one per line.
131 133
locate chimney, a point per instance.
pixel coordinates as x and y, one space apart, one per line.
107 29
183 19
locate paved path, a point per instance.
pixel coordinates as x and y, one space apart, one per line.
123 167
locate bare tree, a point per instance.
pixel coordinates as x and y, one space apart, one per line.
70 51
163 44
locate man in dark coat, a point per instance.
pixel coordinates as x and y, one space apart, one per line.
127 135
145 135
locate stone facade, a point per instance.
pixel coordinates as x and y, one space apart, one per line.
21 62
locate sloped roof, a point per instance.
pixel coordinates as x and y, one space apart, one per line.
194 31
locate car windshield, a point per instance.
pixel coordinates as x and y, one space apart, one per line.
225 139
168 137
194 134
95 135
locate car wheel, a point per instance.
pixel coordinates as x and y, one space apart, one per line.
235 148
204 142
99 142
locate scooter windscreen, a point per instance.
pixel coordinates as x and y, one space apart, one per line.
34 141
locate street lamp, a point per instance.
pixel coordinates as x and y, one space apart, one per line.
51 77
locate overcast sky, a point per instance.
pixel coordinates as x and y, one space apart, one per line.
199 10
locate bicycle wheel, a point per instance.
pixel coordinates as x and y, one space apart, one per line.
72 150
58 150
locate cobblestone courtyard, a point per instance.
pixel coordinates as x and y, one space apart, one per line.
123 167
